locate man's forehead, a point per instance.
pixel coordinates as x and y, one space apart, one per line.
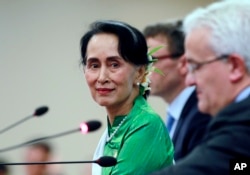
198 50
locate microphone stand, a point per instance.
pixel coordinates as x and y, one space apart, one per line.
39 139
104 161
38 112
41 163
17 123
86 127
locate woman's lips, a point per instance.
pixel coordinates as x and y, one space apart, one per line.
104 91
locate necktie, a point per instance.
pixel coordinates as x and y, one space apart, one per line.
170 121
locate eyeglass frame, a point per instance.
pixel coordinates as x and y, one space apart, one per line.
171 56
194 66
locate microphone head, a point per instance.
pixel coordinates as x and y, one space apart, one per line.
40 111
106 161
90 126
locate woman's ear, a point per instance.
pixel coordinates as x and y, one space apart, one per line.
140 74
237 68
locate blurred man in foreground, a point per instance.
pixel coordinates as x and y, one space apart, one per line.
218 58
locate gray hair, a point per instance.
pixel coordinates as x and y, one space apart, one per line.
229 22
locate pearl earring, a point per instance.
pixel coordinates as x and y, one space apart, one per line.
138 83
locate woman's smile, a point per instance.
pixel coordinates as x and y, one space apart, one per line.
104 91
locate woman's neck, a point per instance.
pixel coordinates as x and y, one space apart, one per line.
120 109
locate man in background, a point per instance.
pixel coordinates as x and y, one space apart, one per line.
218 58
186 124
41 152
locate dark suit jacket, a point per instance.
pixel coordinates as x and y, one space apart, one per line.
227 138
190 128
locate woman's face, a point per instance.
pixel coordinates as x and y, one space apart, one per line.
111 80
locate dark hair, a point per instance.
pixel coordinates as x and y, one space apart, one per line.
132 45
172 32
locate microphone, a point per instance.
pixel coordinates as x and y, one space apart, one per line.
84 128
38 112
105 161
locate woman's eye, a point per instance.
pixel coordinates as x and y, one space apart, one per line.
93 66
114 65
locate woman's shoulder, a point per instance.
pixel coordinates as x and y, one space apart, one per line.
143 114
146 117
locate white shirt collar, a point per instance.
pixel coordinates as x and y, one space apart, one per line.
176 107
243 94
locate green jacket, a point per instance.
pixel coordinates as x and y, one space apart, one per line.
141 143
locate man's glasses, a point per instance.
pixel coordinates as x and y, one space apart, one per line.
194 66
173 56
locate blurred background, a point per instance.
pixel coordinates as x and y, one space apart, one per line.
39 65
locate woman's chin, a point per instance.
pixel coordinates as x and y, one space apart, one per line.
103 103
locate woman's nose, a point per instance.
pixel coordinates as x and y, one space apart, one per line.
103 75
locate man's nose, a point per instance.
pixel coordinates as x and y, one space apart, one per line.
190 79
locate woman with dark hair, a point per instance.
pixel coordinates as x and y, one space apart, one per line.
116 68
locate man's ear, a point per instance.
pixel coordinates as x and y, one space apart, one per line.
237 67
182 65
